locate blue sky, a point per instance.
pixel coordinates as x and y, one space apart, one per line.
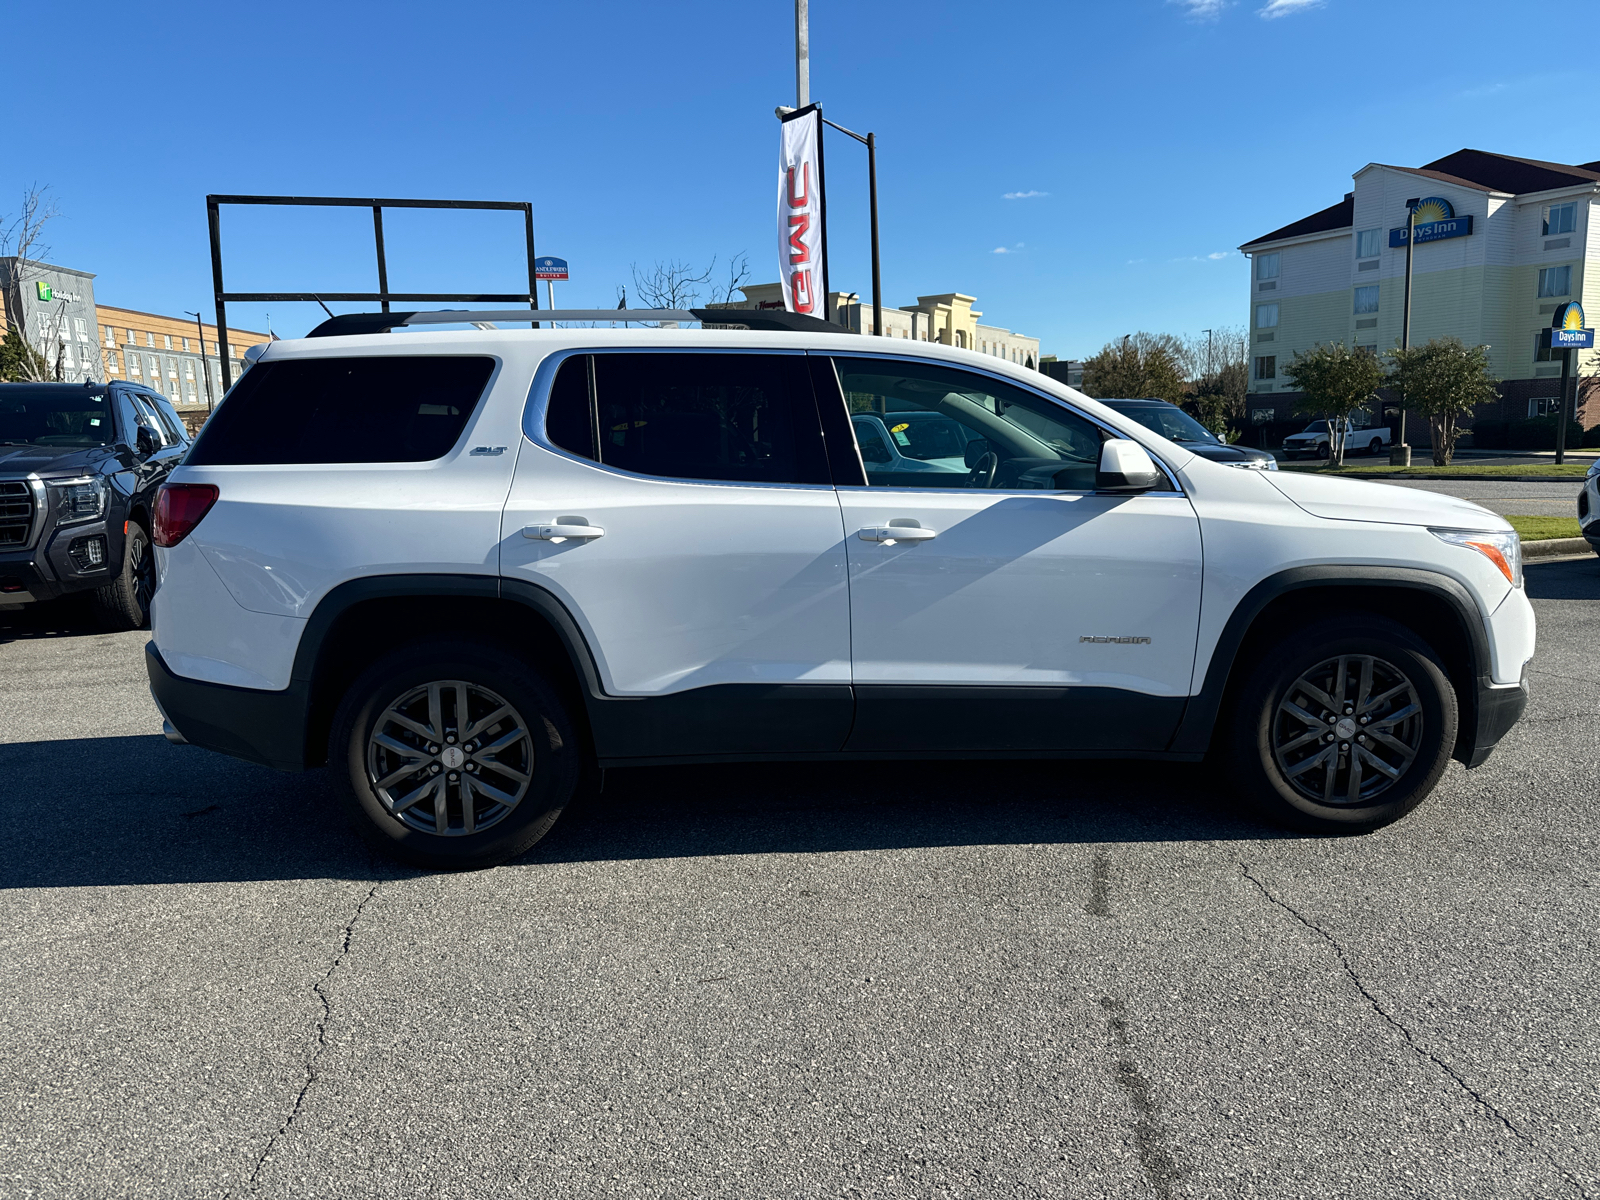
1116 152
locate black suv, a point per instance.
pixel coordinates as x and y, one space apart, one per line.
79 469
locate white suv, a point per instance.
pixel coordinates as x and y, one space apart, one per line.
458 567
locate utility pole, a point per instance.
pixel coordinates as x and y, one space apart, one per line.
802 53
205 368
1207 332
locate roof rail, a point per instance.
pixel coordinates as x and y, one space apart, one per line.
762 320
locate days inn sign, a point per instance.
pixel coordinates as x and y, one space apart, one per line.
1435 220
1567 331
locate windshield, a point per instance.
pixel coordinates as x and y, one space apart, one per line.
925 438
1170 421
1316 427
51 415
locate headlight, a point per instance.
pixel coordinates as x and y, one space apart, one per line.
78 499
1504 550
1594 467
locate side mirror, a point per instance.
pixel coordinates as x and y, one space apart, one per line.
1125 467
149 441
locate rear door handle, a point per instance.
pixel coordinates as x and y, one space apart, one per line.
560 533
897 533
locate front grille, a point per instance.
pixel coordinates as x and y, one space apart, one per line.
16 512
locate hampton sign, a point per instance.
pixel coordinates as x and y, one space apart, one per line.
1435 220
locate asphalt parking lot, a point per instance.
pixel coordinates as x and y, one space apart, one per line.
1506 496
1052 979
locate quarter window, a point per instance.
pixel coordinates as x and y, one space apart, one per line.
935 427
1368 243
1367 299
394 408
1266 266
734 418
1555 281
1560 218
1266 316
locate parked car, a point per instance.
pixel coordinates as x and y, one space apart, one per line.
1172 423
1315 440
477 563
80 465
1589 506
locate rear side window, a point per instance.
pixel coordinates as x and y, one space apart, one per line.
400 408
739 418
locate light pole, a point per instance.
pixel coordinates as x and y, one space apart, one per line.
1400 453
205 368
870 141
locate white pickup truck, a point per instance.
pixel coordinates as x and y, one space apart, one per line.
1314 440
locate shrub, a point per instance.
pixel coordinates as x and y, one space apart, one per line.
1490 434
1591 437
1539 433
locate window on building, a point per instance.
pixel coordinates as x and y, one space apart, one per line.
133 366
1266 266
186 344
1369 243
66 355
1541 347
1541 406
1266 316
1370 348
1560 218
1367 299
81 327
1267 366
149 337
1555 281
111 336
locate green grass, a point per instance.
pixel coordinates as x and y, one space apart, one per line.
1543 470
1540 529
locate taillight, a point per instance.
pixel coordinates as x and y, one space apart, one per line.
179 507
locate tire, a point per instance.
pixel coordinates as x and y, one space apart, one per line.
1262 750
1375 447
124 603
546 758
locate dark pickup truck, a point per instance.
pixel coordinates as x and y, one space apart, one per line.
80 465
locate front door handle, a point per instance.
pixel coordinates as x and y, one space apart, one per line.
560 533
896 533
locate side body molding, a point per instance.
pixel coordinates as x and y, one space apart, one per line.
1200 715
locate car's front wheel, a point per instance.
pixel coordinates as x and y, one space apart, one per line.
1344 726
455 753
124 603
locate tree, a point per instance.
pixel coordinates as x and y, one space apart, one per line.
1445 380
1140 365
677 284
1221 371
20 241
1335 381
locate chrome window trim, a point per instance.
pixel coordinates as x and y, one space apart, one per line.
538 404
1103 426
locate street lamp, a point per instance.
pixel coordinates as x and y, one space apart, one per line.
1400 454
205 368
870 141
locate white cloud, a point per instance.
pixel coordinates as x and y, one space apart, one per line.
1023 195
1202 10
1284 8
1017 249
1214 256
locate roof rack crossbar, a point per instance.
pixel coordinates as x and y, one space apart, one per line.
738 318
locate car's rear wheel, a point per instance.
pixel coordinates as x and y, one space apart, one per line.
456 754
124 603
1343 727
1375 446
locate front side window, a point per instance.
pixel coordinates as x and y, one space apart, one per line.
734 418
1367 299
944 428
1560 218
1555 281
1266 316
370 409
1267 366
1266 266
1369 243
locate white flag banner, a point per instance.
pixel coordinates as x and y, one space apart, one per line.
800 206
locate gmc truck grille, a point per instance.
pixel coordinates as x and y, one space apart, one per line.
16 513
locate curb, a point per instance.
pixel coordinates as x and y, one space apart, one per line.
1555 548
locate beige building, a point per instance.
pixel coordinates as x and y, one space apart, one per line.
947 318
166 354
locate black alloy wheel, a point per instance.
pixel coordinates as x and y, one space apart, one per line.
124 603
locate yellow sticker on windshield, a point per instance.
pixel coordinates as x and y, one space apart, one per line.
898 428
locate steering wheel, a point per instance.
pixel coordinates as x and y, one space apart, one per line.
984 471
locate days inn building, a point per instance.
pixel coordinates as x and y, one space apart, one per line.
1501 243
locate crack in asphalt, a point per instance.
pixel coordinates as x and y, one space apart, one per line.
1149 1134
1411 1041
322 1036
